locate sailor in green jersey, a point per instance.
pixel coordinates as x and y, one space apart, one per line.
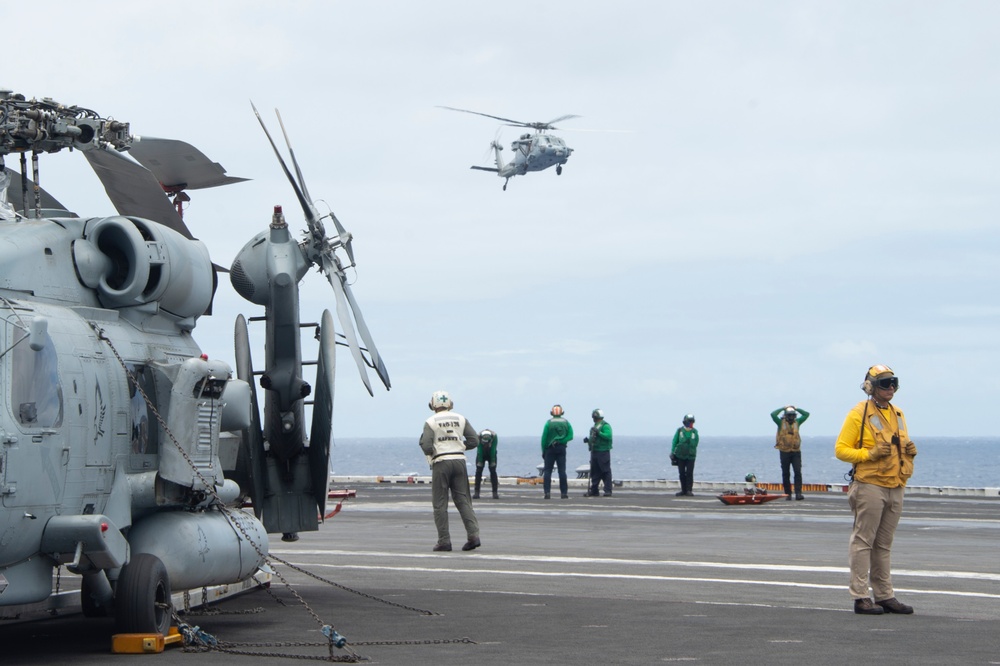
556 434
599 443
486 454
684 450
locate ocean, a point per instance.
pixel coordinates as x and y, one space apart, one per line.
961 462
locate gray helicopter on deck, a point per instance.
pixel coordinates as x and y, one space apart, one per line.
532 152
126 453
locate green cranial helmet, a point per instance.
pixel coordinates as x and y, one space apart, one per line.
751 478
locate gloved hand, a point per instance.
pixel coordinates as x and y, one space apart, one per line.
586 440
910 449
880 450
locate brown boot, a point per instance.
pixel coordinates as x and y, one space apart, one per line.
893 605
865 606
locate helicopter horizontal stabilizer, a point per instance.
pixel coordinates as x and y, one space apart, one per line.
481 168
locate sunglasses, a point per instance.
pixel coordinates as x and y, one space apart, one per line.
887 383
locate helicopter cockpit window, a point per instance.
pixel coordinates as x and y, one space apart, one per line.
145 431
36 396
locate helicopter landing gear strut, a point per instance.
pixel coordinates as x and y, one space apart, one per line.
505 184
559 169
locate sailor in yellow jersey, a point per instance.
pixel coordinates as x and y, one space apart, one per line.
874 439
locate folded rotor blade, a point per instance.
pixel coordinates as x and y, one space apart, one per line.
134 190
179 164
291 154
307 206
366 337
334 275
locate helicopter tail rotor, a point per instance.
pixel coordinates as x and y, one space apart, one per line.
320 250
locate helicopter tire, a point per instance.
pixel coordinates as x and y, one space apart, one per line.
559 169
88 606
142 597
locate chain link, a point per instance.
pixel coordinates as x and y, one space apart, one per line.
236 648
226 511
352 590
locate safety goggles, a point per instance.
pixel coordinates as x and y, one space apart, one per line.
887 383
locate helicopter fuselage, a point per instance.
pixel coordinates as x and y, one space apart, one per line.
536 152
93 470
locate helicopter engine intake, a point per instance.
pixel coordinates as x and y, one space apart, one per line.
129 261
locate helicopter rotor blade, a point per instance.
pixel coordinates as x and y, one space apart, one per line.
315 224
335 276
366 337
549 125
515 123
307 206
295 163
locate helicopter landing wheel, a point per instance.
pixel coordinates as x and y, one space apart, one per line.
559 169
142 597
505 187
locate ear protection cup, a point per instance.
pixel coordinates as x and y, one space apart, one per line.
868 386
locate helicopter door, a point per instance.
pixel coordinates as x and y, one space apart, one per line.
33 447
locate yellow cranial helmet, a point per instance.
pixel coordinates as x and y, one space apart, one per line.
879 376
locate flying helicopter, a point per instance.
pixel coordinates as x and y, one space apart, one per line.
532 152
126 453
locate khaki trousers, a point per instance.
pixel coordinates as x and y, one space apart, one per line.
876 514
452 476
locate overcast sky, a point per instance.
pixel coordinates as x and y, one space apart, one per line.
806 189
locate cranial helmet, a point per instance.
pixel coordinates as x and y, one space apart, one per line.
486 436
751 477
557 410
876 373
790 412
689 418
440 400
597 414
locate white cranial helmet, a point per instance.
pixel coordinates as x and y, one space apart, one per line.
440 400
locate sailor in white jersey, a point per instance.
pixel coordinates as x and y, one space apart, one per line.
447 436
